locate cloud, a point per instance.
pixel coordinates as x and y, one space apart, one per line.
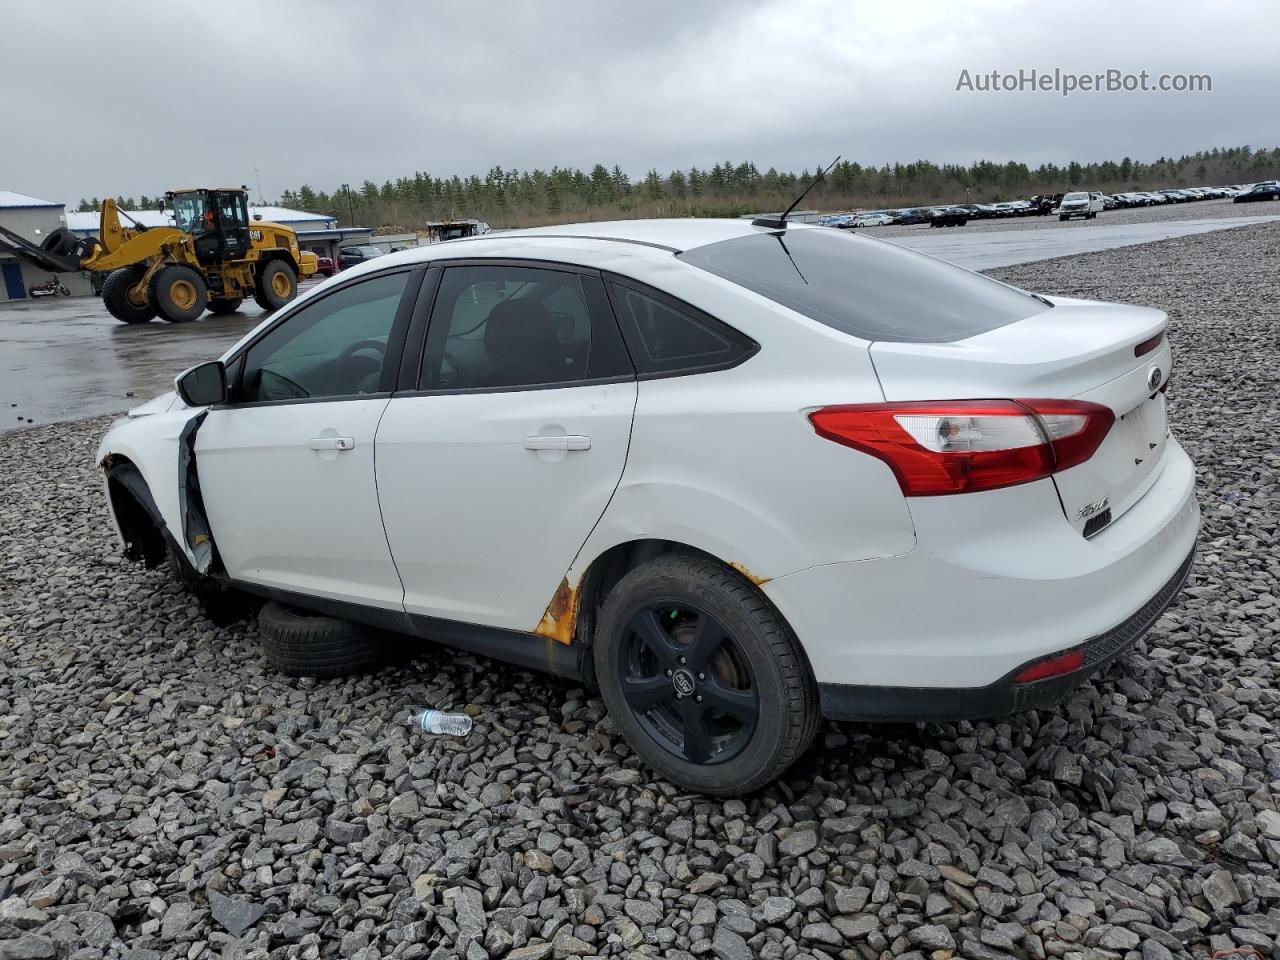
135 98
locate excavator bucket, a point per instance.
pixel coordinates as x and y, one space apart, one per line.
61 257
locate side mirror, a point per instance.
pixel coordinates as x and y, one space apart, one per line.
203 385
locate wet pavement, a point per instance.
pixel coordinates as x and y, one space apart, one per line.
991 249
67 359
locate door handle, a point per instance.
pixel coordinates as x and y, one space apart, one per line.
557 443
332 443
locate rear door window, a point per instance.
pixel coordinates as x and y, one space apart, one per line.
868 288
503 327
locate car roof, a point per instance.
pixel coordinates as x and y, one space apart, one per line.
606 245
670 235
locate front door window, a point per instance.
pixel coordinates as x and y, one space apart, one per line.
333 347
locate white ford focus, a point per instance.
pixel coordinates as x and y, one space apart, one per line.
738 476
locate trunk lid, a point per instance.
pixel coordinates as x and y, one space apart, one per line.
1079 350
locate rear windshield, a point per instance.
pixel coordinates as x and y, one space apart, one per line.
865 287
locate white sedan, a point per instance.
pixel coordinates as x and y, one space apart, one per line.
739 476
872 220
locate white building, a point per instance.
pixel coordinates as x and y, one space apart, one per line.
33 219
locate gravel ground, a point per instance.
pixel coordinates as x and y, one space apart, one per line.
163 795
1198 210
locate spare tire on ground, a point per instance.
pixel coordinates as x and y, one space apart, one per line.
304 644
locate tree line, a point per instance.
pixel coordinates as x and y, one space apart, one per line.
515 198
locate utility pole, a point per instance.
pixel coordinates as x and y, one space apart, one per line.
350 214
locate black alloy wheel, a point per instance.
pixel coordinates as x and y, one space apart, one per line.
688 683
703 678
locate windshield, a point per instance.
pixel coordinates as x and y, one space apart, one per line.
189 211
1076 196
868 288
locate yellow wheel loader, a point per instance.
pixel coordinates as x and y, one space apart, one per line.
213 257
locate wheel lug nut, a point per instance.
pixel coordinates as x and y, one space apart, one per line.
683 660
668 673
702 676
698 698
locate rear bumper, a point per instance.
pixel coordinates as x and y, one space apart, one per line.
880 704
996 580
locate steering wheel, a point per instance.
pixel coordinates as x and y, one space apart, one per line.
349 354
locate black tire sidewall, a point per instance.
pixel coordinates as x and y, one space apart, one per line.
59 242
115 296
263 293
303 644
161 283
756 629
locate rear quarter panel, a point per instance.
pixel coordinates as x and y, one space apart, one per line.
728 462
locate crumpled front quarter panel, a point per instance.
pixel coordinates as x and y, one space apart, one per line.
151 443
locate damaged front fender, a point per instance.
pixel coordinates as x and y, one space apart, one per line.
196 535
151 459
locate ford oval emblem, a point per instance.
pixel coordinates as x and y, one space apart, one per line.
1155 377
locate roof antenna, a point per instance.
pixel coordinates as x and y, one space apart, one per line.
780 223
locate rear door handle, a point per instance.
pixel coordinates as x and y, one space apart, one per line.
332 443
557 443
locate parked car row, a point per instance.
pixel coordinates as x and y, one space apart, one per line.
356 255
938 216
327 266
1084 204
1145 198
1267 190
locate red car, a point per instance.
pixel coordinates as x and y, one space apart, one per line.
324 265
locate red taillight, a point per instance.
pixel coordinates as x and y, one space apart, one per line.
1075 429
1146 346
1067 662
963 446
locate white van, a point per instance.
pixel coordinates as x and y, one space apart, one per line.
1080 204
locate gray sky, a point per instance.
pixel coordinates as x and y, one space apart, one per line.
137 97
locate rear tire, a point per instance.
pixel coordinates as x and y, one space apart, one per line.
222 307
303 644
751 663
179 293
116 296
276 285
